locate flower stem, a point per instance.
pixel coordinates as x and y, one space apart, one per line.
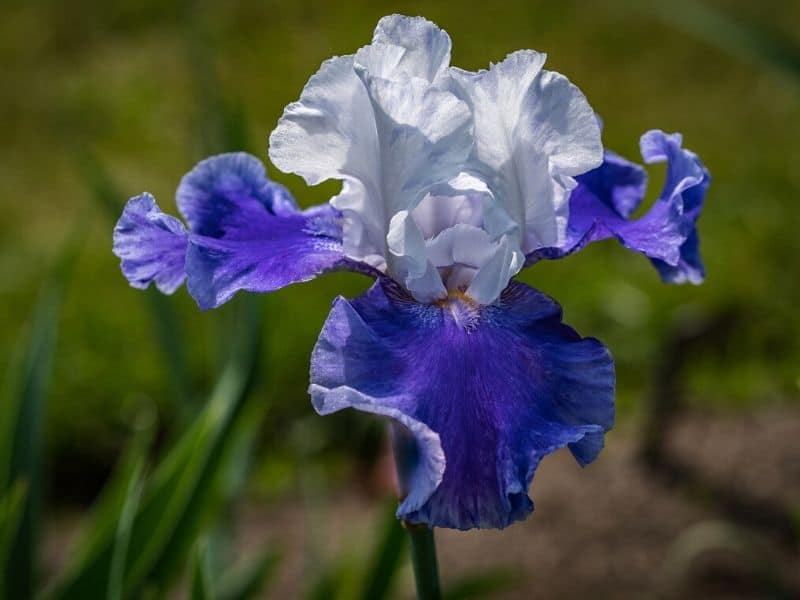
423 557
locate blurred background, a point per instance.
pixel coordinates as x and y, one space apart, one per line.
698 492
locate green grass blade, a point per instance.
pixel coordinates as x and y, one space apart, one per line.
222 456
201 588
23 415
328 584
122 539
222 123
387 557
11 509
169 333
114 500
182 489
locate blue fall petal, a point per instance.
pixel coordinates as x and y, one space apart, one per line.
266 255
151 245
209 196
618 183
683 173
483 392
246 234
605 198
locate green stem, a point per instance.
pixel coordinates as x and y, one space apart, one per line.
423 557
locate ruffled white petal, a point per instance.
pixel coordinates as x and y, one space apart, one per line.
466 233
460 244
425 47
534 131
375 122
444 206
461 257
328 133
474 261
424 135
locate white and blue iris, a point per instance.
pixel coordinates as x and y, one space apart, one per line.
452 182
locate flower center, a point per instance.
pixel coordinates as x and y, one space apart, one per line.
458 238
461 307
450 219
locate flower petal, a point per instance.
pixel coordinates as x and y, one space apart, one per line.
247 233
534 131
493 276
425 137
618 183
498 387
328 133
687 182
690 267
411 265
425 47
601 205
377 123
151 244
209 195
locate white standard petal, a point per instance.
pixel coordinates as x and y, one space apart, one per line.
534 131
385 138
425 47
443 206
328 133
424 137
463 199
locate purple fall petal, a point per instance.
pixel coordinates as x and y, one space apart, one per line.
209 195
605 198
247 233
151 245
485 391
683 173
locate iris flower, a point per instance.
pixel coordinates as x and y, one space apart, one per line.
452 183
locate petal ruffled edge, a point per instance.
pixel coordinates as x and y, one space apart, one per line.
425 47
688 178
601 205
247 233
151 245
534 132
205 195
422 478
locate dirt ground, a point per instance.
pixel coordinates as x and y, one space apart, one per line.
608 531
